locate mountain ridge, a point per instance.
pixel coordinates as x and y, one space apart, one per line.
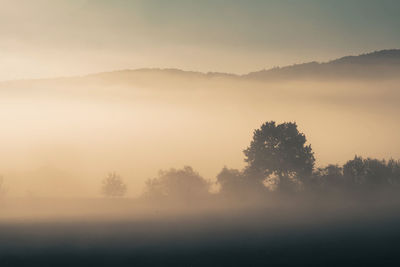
373 65
376 64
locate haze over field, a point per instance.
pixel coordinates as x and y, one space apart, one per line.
62 134
199 133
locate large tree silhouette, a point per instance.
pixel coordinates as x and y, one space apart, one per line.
278 155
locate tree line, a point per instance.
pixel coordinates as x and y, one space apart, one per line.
278 160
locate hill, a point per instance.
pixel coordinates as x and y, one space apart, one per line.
378 65
384 64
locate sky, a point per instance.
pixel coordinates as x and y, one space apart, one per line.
48 38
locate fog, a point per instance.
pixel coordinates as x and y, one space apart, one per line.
60 137
199 133
163 167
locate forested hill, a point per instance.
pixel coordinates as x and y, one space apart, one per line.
378 65
382 64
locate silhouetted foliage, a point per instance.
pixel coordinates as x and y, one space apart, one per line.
278 154
371 174
231 181
354 171
177 184
394 167
113 186
329 178
278 159
236 184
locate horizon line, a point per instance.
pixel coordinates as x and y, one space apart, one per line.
193 71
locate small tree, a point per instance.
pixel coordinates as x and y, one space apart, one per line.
178 184
113 186
279 154
231 181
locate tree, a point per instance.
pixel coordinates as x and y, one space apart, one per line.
113 186
327 179
278 154
371 173
231 181
354 171
394 167
377 173
235 184
177 184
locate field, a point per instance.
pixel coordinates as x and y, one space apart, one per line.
291 233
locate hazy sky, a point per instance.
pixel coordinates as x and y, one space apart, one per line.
45 38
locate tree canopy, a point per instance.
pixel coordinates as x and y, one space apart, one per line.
278 154
177 183
113 186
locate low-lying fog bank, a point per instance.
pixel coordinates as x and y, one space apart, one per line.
61 137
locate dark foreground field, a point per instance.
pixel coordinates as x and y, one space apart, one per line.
280 236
